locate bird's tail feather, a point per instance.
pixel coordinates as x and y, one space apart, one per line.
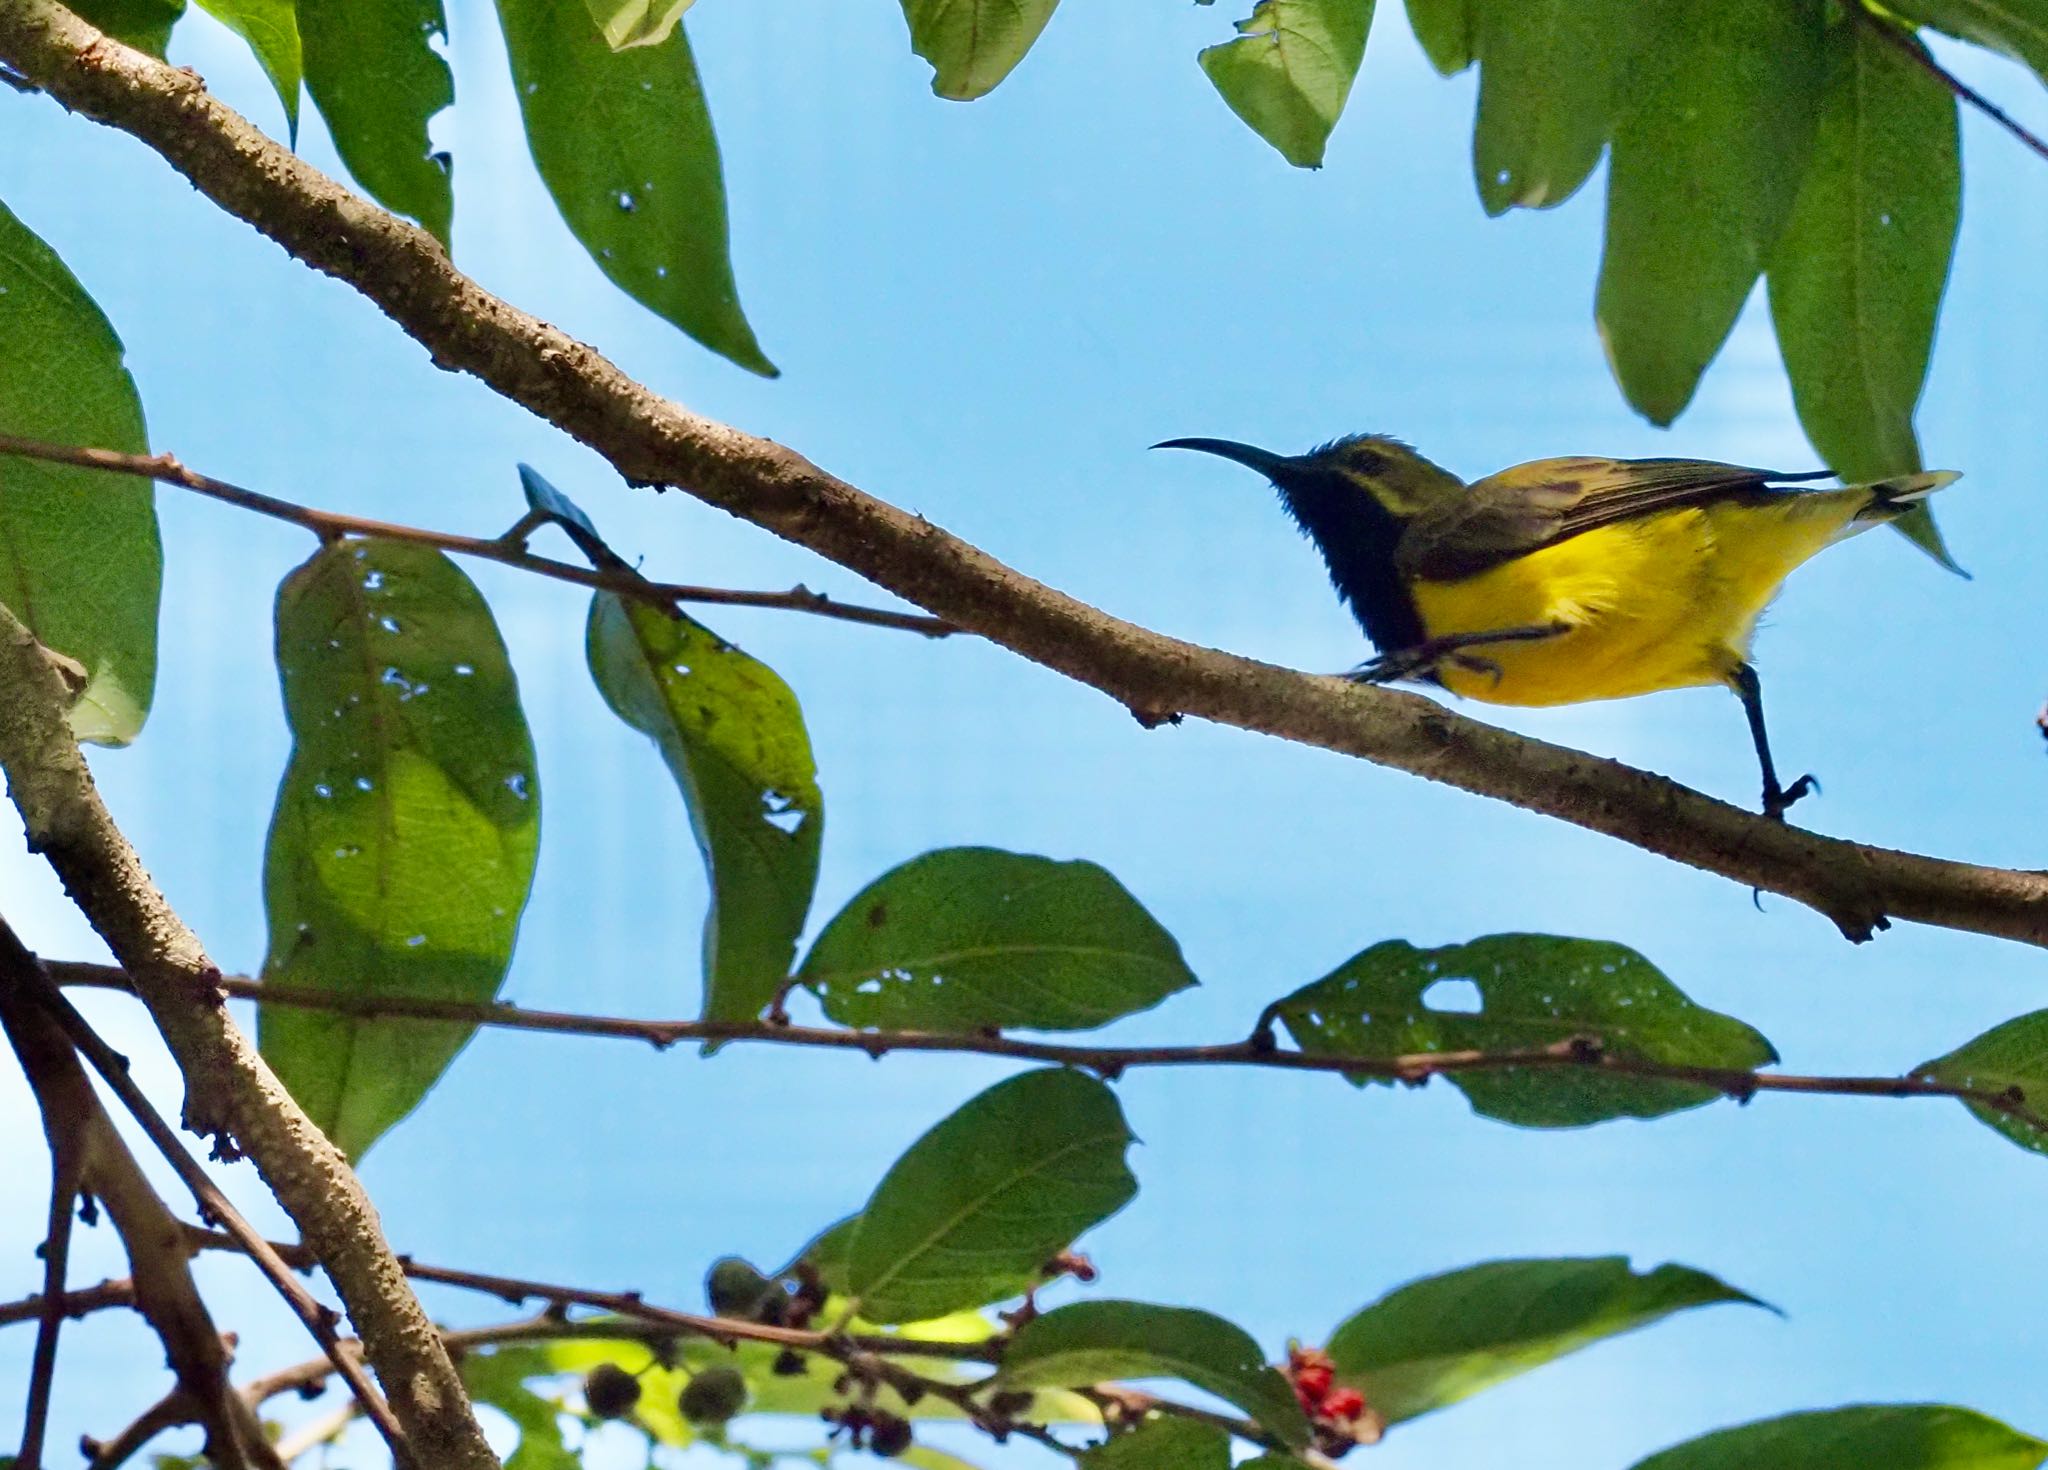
1894 497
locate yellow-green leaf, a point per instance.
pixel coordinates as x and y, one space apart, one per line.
1290 70
1864 1437
627 23
973 44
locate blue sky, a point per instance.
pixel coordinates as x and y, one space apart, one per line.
984 313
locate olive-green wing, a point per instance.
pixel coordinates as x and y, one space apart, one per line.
1534 505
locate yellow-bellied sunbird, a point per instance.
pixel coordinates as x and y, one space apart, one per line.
1580 578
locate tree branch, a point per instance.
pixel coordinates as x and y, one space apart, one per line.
1905 41
507 550
651 441
83 1302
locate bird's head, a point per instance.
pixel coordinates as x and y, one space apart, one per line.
1360 474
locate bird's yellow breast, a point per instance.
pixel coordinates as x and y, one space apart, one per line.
1666 601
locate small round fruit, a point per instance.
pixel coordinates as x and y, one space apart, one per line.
889 1436
735 1288
713 1396
610 1392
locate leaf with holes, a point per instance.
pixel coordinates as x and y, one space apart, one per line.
1095 1341
973 44
378 81
271 29
1535 990
402 849
1162 1444
975 1209
625 23
1550 83
734 738
2015 28
2012 1059
1289 71
1707 159
1865 1437
971 937
624 144
1444 1338
80 562
1857 278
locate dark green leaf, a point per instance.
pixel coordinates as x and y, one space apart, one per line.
623 141
1290 70
403 845
969 937
1707 158
80 562
1536 990
1890 1436
1444 1338
271 27
1443 28
2018 28
625 23
827 1253
376 78
976 1208
498 1378
143 24
1095 1341
2010 1059
1551 77
1163 1444
973 44
1856 279
734 739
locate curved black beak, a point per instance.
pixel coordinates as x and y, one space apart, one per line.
1265 461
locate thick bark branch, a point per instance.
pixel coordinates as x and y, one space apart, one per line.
652 441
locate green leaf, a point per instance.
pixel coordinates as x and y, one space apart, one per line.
80 562
623 141
402 849
1444 1338
2011 1058
1707 160
1443 28
2017 28
498 1378
271 27
734 738
1536 990
827 1253
924 1457
974 1210
1289 71
1551 75
1162 1444
143 24
1856 280
625 23
973 44
970 937
1894 1436
1095 1341
377 80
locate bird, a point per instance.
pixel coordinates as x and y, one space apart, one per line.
1566 580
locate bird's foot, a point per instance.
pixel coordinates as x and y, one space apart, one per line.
1778 800
1391 668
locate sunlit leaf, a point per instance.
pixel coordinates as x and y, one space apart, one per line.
1443 28
1290 70
625 23
624 144
1096 1341
1551 76
1891 1436
973 44
2011 1059
80 562
978 1206
1707 159
271 27
377 79
970 937
402 848
1534 991
1162 1444
1444 1338
498 1378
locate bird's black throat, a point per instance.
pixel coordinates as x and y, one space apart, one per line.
1356 535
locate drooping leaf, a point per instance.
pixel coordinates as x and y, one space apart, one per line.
2018 28
1290 70
1443 28
1856 280
1535 990
625 23
143 24
1551 78
498 1378
271 27
1162 1444
1707 159
975 1208
1095 1341
403 844
970 937
973 44
624 144
1866 1437
2011 1059
377 80
80 562
1444 1338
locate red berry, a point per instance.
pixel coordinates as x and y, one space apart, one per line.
1343 1403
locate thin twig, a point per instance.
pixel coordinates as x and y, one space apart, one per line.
1108 1061
1921 57
67 1175
74 1304
507 550
170 1411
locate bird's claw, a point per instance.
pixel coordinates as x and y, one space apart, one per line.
1388 668
1778 800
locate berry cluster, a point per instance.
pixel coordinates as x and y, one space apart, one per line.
1341 1416
875 1430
